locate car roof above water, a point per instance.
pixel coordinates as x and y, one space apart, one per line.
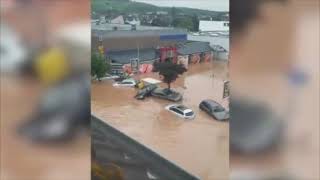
181 107
211 102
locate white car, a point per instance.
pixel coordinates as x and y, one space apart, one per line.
109 77
181 111
126 83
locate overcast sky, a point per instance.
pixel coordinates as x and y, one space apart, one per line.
213 5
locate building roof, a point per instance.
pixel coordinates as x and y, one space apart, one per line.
110 146
110 27
141 31
193 47
125 56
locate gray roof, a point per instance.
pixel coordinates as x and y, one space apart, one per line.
193 47
127 27
110 146
138 33
125 56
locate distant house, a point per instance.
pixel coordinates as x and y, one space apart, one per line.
193 52
162 13
214 26
117 20
102 19
133 21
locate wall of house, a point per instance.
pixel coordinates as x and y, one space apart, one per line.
130 43
183 59
194 58
214 25
208 57
145 67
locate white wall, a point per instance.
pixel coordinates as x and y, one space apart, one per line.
214 25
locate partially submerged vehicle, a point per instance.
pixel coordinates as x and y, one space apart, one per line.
126 83
167 94
110 77
181 111
214 109
146 91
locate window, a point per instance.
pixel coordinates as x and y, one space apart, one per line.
177 111
219 109
189 113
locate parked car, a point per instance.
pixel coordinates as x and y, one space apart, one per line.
166 94
126 83
214 109
146 91
181 111
110 76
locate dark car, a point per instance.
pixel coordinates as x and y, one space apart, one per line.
214 109
146 91
166 94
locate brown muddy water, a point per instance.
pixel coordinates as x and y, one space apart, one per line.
200 146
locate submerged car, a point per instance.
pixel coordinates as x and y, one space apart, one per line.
126 83
109 77
166 94
214 109
181 111
146 91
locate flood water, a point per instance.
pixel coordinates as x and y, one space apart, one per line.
200 146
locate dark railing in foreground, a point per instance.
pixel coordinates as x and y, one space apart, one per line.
137 161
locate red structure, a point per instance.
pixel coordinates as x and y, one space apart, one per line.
168 52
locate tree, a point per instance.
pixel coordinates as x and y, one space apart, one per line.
195 21
99 67
169 71
185 23
173 12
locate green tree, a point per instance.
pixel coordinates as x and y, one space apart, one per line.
173 12
99 67
185 22
195 21
169 71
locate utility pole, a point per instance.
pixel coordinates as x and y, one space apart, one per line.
138 62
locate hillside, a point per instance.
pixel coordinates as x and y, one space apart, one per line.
126 6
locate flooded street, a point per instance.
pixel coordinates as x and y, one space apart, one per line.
200 146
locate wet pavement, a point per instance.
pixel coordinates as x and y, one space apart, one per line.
200 146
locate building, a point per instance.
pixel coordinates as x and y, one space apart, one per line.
193 52
219 44
117 20
141 37
214 26
162 13
130 60
129 50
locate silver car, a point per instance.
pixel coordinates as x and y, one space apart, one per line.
214 109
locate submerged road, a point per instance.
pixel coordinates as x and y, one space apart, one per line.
200 146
